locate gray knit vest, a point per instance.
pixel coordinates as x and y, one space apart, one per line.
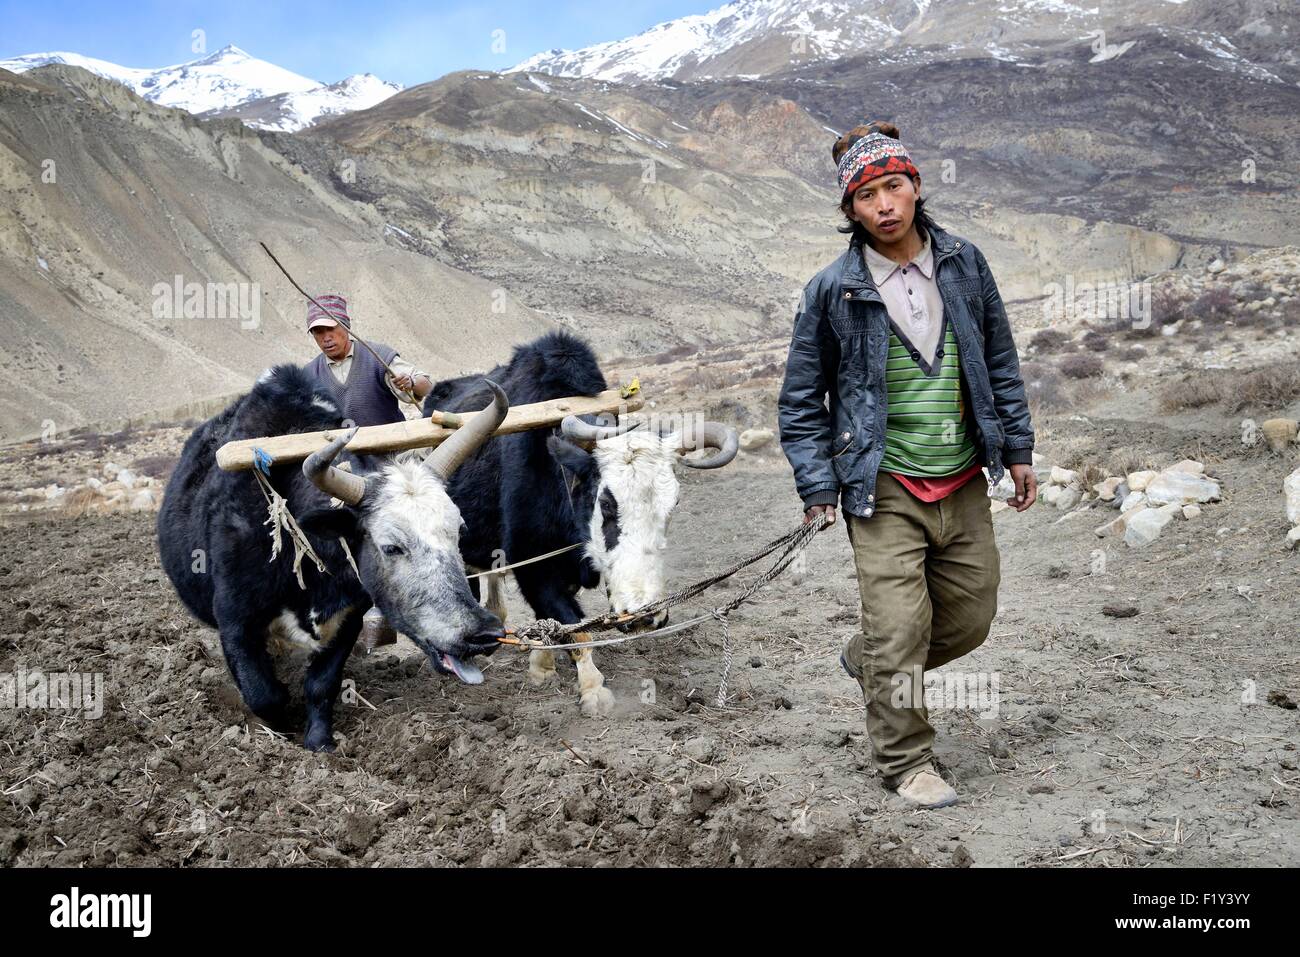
365 398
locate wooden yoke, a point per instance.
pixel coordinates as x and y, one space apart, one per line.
421 433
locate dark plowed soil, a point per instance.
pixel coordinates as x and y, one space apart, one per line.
1142 739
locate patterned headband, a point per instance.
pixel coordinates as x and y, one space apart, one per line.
874 155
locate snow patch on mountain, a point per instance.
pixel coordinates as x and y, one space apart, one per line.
218 81
300 110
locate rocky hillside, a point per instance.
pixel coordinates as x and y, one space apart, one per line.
105 196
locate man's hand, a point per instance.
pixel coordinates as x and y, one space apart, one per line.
1026 486
810 516
404 383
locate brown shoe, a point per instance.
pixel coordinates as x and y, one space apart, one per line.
923 787
375 632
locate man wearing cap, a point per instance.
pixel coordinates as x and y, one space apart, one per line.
902 384
367 392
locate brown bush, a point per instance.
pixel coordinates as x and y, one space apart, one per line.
1050 340
1215 305
1082 366
1191 392
1043 386
1096 341
1266 389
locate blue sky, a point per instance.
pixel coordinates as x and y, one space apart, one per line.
327 40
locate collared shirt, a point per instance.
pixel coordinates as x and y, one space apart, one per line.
911 296
342 368
915 307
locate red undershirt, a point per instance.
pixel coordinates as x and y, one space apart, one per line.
933 489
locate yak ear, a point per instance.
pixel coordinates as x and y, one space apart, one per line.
574 459
330 523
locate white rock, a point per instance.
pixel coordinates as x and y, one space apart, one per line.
1132 501
143 500
111 469
1106 489
1293 537
1117 524
1137 481
1291 486
1145 527
94 483
1191 511
752 439
1070 496
1181 488
1060 476
1050 493
126 477
1190 466
997 505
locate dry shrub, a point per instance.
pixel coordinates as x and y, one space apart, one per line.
155 466
1043 387
701 377
673 354
1191 392
773 370
1082 366
1213 307
1050 340
1095 341
1266 389
1168 306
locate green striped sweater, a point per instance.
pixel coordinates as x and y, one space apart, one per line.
926 432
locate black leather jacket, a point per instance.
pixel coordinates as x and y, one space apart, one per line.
840 343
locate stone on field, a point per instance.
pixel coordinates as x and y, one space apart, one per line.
752 439
1181 488
1146 526
1137 481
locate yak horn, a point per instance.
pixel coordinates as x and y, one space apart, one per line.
348 488
711 435
447 457
581 430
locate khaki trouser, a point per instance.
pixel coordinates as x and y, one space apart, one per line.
928 574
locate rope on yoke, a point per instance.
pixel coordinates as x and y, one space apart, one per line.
281 519
543 633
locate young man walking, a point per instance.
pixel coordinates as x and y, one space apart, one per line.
907 337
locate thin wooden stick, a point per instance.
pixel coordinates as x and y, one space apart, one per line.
409 396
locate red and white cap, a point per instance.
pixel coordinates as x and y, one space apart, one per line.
335 311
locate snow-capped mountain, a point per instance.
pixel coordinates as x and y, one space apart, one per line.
289 112
752 38
693 45
224 82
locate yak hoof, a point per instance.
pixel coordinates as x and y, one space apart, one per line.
597 702
538 677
